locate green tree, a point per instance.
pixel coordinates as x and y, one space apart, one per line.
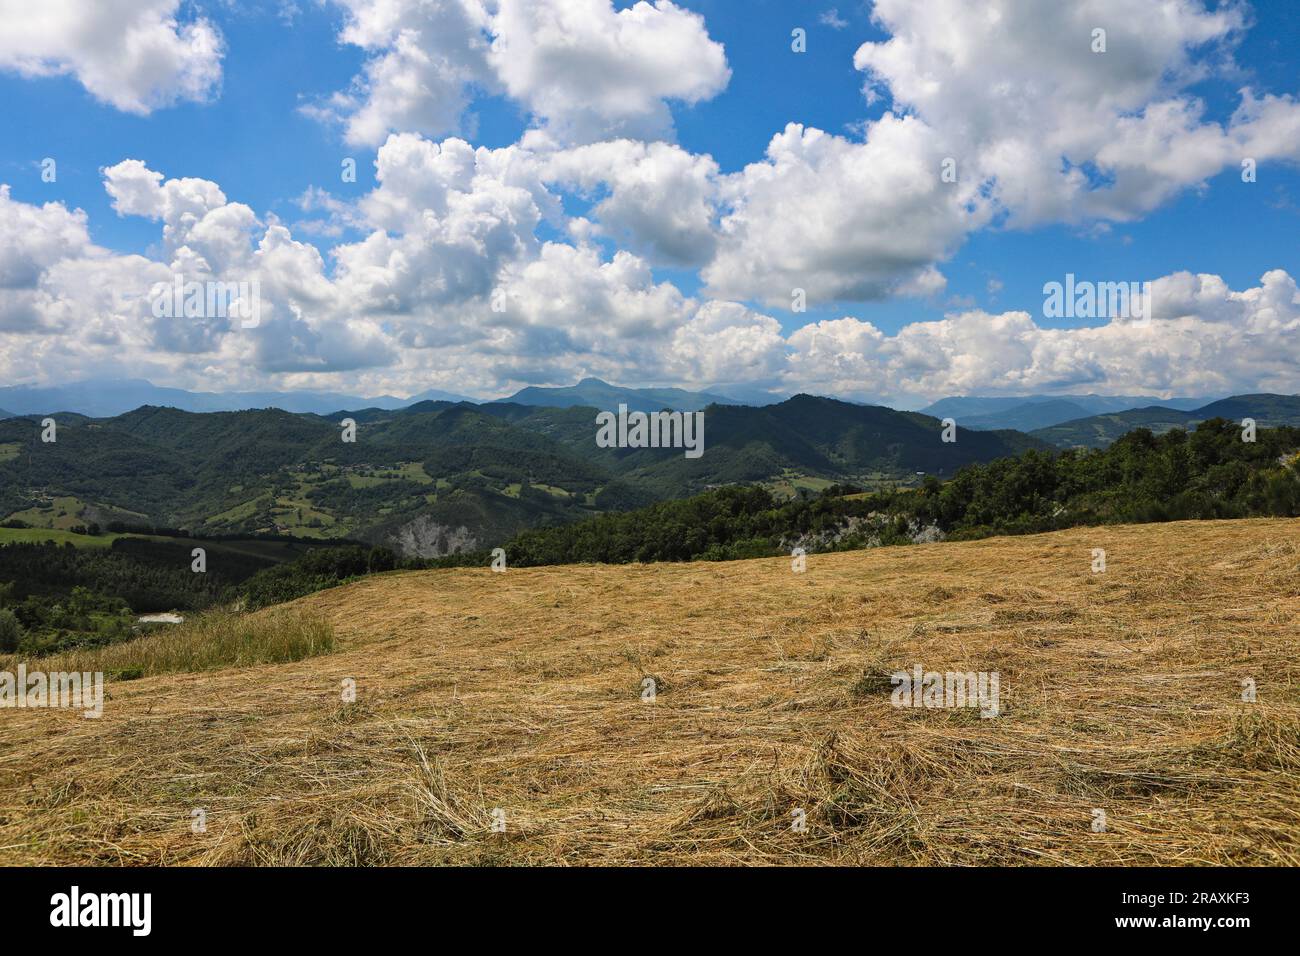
11 632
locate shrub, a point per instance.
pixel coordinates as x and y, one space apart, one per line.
11 632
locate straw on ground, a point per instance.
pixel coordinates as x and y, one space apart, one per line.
513 702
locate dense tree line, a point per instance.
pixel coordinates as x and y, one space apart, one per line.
330 567
60 595
54 596
313 572
731 522
1207 473
46 569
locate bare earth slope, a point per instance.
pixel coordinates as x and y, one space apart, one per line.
522 692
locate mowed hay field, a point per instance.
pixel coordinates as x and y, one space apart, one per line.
522 692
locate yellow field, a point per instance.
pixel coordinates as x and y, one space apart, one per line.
521 692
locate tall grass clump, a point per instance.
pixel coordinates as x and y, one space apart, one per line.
221 638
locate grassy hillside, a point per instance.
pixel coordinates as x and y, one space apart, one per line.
523 692
36 535
1098 431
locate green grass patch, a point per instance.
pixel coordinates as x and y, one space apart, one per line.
31 535
240 512
214 640
62 513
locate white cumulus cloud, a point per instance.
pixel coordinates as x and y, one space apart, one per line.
583 70
135 55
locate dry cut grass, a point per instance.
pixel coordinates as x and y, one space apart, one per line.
500 718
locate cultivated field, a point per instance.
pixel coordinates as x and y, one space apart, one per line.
522 692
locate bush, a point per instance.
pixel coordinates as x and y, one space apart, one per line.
11 632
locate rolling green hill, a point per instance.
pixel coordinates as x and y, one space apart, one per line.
1267 410
440 477
1098 431
1020 412
1208 472
818 438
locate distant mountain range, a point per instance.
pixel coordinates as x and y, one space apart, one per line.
593 393
1031 412
109 397
438 476
1097 431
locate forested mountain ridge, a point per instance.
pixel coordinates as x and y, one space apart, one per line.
1206 473
440 476
1097 431
1016 411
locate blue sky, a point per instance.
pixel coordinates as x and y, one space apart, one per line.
254 134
